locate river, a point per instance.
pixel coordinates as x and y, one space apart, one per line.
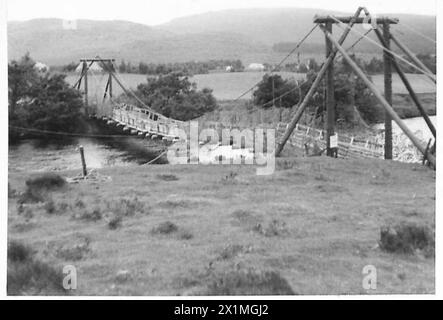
416 125
57 155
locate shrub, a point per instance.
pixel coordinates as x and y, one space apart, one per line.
249 282
185 235
74 252
115 222
127 207
31 196
271 229
18 252
79 204
167 177
27 275
50 207
406 238
46 181
231 251
166 227
93 215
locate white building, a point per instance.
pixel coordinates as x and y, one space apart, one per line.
256 67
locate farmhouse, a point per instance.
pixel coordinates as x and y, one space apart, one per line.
256 67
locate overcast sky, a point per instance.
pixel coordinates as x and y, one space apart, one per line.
154 12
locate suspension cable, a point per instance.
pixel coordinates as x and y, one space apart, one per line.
382 47
418 32
64 133
280 63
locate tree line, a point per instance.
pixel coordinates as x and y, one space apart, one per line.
187 68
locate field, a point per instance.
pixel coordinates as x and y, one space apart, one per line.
228 86
309 228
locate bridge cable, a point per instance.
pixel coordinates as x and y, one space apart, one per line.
417 32
63 133
297 87
280 63
382 47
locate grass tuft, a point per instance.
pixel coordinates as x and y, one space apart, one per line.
167 177
407 238
249 282
166 227
46 181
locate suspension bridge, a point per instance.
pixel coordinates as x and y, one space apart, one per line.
142 120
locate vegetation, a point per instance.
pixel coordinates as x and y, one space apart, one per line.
280 224
375 65
350 91
249 282
29 275
187 68
41 100
174 96
407 238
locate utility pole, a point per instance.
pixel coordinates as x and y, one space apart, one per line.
330 101
388 91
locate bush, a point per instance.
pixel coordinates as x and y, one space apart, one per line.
30 196
18 252
167 177
406 238
27 275
126 207
46 181
271 229
249 282
166 227
115 222
93 215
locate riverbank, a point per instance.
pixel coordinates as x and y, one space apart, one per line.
314 224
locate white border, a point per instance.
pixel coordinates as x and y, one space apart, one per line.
4 201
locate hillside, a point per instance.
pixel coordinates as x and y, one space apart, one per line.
248 35
272 26
48 41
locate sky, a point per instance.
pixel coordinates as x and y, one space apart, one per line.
154 12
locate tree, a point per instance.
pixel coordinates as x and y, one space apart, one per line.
41 101
272 87
55 105
173 95
349 92
21 77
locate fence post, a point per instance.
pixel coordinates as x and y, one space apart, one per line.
82 155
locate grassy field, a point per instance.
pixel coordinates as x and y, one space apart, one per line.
228 86
309 228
